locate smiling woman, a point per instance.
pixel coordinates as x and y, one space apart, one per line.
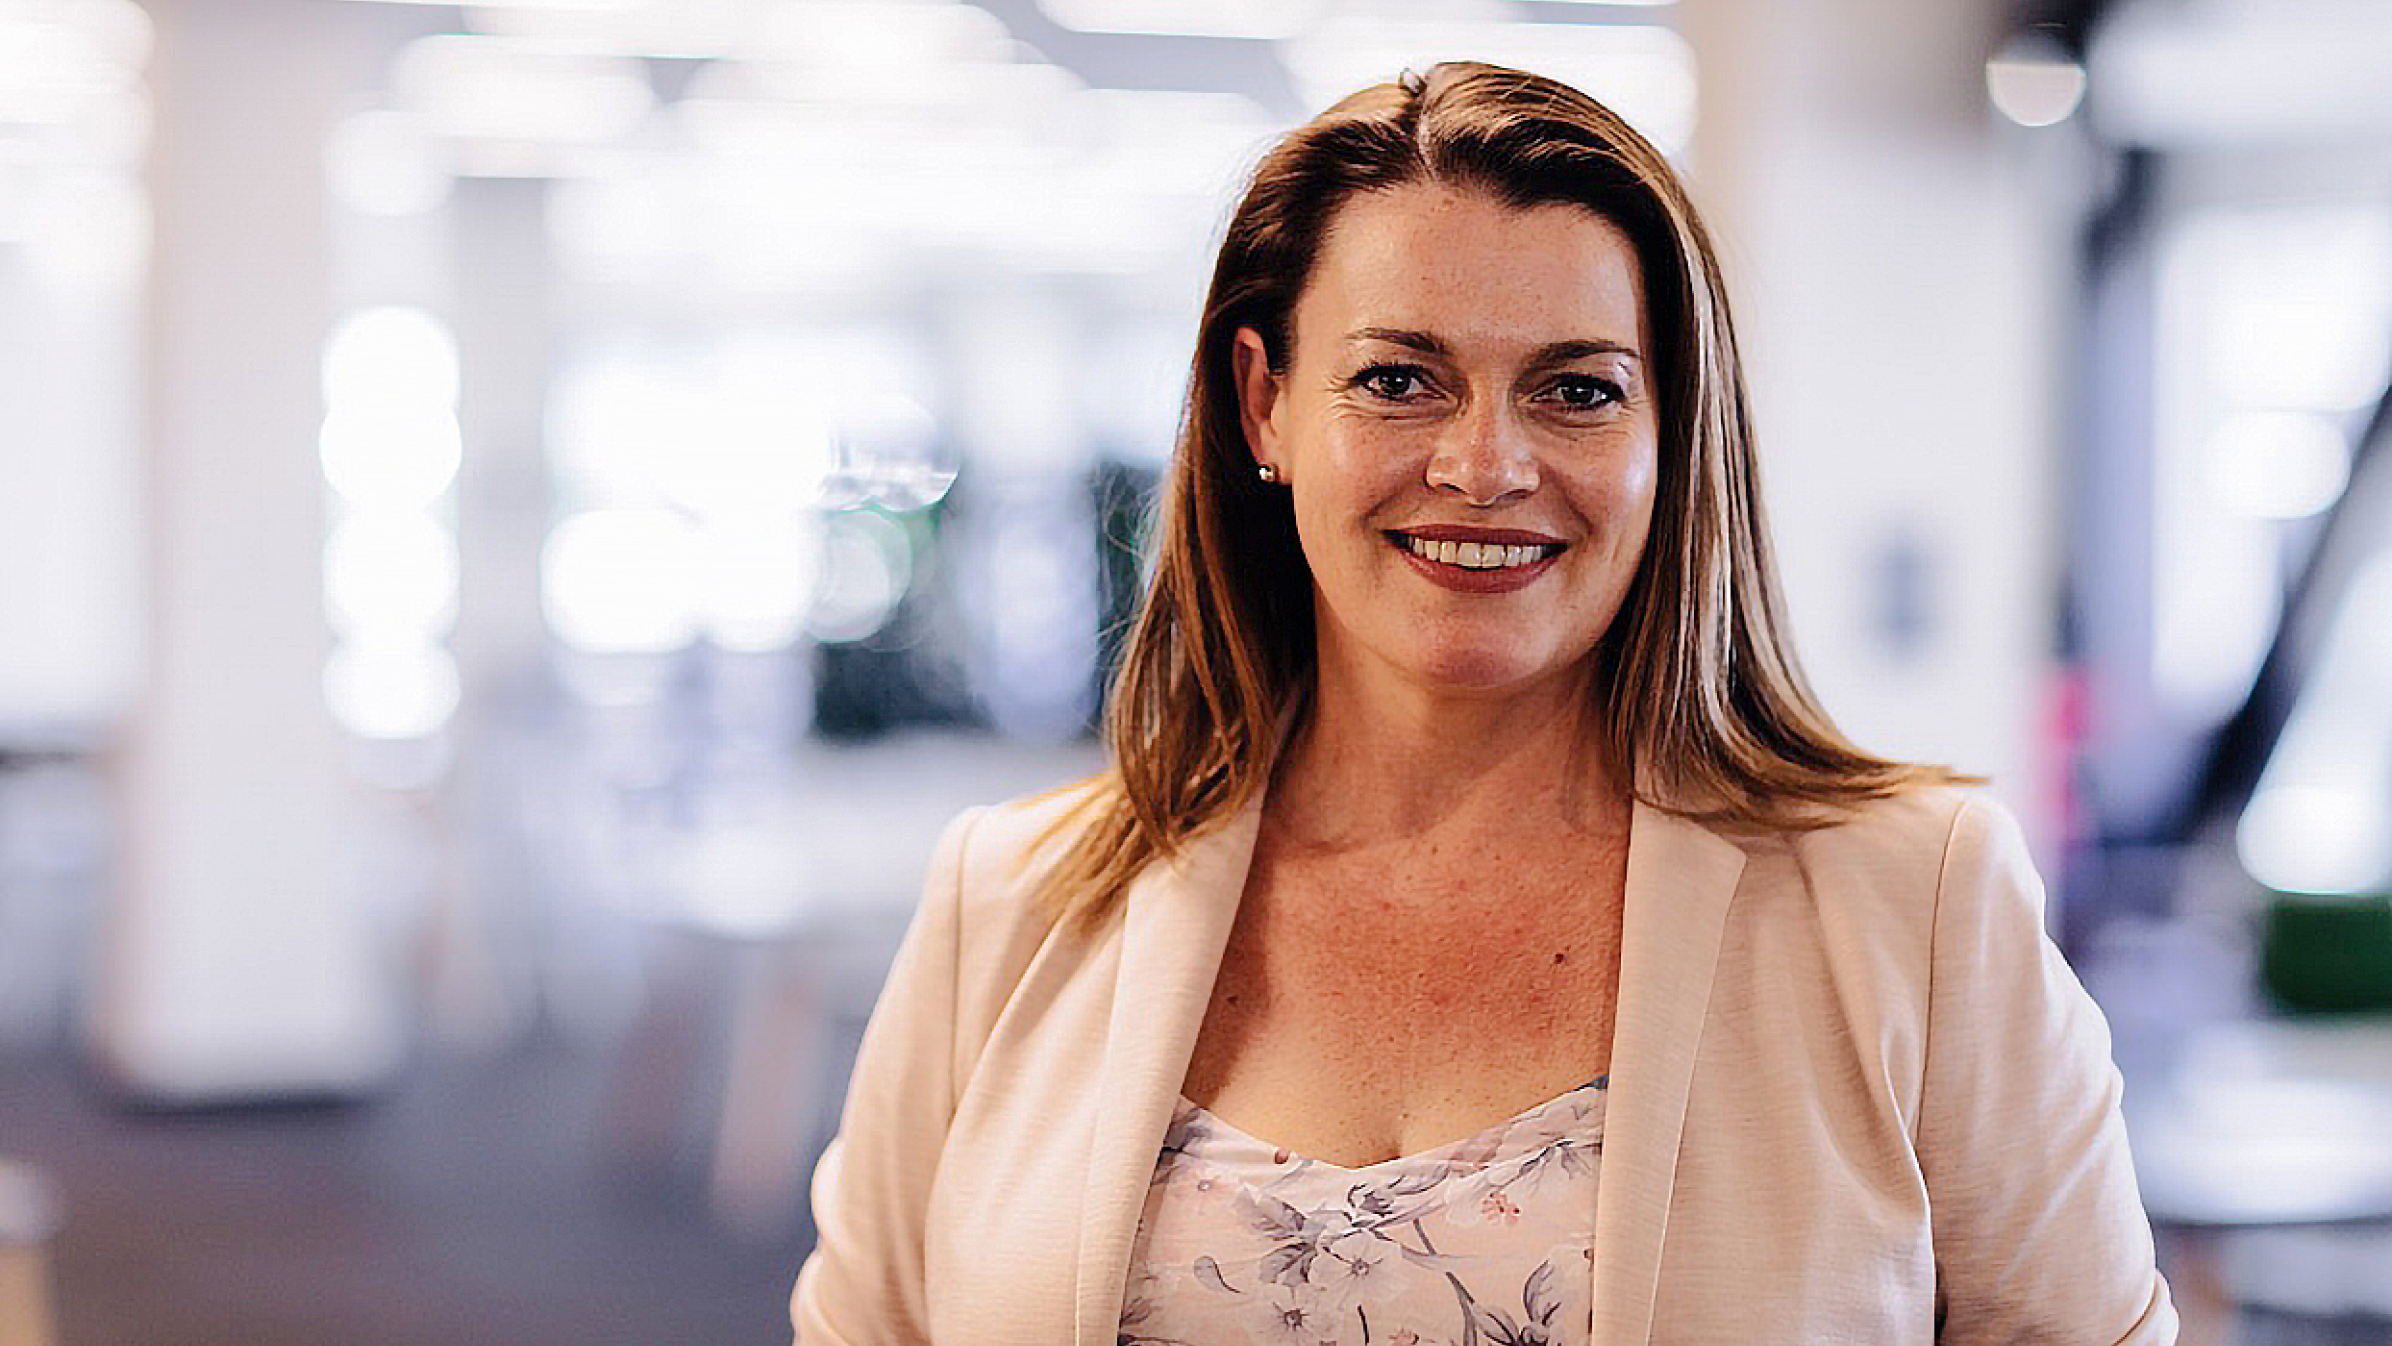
1481 933
1462 402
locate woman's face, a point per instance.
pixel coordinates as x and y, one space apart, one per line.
1467 426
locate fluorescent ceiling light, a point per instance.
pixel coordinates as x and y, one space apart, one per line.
1261 19
2243 74
880 34
563 6
502 89
832 34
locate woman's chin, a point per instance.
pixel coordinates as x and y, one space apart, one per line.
1485 672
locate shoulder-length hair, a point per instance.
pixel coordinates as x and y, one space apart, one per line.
1697 687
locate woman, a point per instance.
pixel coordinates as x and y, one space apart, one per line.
1472 837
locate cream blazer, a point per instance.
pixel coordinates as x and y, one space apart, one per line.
1855 1096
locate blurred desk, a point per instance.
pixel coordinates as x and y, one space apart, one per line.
2271 1122
2265 1156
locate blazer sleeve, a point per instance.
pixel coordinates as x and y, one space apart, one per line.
2039 1230
863 1283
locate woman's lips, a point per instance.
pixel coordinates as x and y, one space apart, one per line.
1476 560
1462 532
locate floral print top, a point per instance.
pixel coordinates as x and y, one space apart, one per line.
1484 1240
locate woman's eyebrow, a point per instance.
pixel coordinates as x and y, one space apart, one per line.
1397 336
1552 353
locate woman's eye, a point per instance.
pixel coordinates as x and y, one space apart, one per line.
1393 383
1584 392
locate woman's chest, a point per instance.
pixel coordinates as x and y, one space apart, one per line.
1364 1011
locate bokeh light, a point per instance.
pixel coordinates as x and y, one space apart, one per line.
621 581
391 689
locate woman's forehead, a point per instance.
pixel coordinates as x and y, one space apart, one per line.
1463 267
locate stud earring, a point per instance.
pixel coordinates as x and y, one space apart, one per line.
1267 473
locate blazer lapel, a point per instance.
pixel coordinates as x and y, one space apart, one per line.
1176 921
1681 877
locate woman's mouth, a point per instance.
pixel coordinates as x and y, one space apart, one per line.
1479 555
1477 560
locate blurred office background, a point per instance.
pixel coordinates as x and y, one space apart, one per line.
518 522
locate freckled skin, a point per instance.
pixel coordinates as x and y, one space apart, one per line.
1354 1027
1428 941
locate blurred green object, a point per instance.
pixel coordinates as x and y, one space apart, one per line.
2329 953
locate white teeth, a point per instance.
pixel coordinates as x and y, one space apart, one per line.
1475 555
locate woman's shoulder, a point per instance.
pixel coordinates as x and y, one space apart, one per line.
1920 880
998 857
1029 831
1932 860
1893 861
990 883
1917 824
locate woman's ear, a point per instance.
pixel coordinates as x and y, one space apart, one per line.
1258 397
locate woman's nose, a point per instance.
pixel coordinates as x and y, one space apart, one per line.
1485 457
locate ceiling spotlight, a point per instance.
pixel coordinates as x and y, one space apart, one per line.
2034 80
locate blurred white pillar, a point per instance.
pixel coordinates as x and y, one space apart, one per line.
70 587
493 936
241 958
1899 258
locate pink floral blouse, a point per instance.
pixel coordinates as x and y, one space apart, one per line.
1487 1239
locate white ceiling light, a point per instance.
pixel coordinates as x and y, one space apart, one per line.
879 34
1189 18
621 581
503 89
391 690
2294 304
390 575
554 6
2034 81
390 456
378 359
54 73
2243 72
686 29
756 577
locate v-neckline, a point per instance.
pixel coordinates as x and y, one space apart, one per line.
1433 1154
1682 880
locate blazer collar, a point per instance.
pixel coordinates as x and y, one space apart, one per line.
1681 877
1175 923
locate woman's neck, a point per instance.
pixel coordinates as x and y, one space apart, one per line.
1371 764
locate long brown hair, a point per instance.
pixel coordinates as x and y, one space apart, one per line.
1698 687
